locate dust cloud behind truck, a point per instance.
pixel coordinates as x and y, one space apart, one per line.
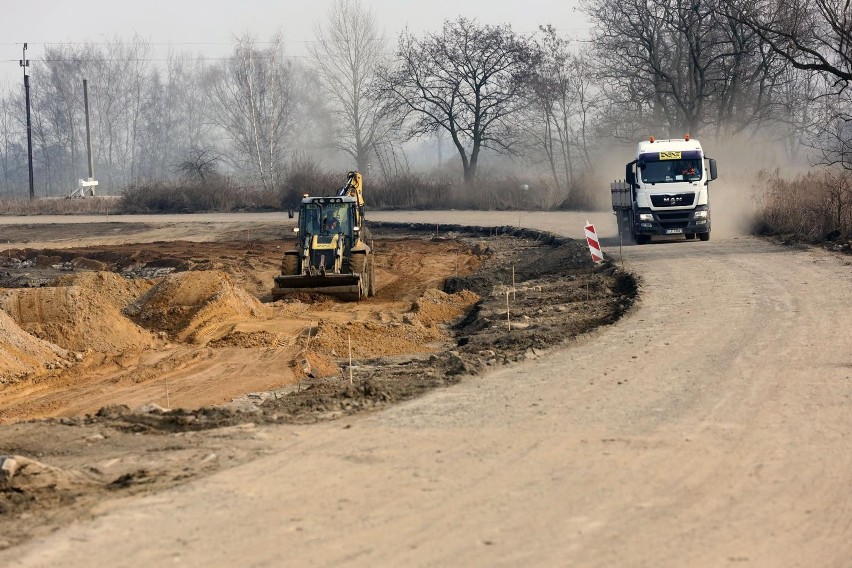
665 191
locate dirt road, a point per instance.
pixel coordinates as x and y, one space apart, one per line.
711 427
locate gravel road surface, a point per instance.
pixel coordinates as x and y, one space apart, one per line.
710 427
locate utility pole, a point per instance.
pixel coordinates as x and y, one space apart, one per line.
88 130
87 186
26 63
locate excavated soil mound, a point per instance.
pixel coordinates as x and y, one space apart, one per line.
435 306
117 290
21 354
410 332
195 306
74 318
250 340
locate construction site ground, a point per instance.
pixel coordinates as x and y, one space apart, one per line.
709 426
135 356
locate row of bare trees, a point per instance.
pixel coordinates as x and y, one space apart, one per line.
152 123
714 68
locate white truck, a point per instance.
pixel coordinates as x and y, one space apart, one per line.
665 191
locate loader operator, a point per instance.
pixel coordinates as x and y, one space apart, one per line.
330 223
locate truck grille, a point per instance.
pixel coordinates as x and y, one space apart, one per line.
674 220
676 200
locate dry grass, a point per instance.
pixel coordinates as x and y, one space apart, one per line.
815 207
219 196
60 206
405 190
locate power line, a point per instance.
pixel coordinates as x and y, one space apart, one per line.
285 40
146 59
142 42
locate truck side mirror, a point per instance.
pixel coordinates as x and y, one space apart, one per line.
714 173
629 176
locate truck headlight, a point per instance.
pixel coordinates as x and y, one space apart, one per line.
702 214
646 217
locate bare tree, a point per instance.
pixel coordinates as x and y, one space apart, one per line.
57 115
12 152
679 65
198 165
466 80
253 105
814 35
118 77
562 99
830 134
173 118
346 56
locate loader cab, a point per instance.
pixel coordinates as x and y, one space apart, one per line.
325 216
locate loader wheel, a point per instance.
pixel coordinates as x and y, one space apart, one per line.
290 265
371 289
358 263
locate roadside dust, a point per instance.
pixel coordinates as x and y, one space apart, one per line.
189 363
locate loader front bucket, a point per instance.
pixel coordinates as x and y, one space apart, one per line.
347 287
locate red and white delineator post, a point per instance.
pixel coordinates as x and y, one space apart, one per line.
594 244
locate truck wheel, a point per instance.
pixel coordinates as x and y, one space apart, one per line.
290 265
704 236
642 239
690 236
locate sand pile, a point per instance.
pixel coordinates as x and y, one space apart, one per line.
373 339
250 340
73 317
435 306
398 334
196 306
21 354
117 290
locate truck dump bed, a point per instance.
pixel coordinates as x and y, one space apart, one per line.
622 197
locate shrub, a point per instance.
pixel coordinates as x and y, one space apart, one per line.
409 191
586 194
59 206
304 176
813 207
218 195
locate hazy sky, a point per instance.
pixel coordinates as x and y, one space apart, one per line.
209 26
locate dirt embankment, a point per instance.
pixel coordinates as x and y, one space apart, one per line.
198 333
199 336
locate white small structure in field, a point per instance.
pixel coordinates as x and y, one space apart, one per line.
85 188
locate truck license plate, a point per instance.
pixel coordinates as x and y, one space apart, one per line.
674 231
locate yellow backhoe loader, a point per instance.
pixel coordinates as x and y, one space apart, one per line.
332 255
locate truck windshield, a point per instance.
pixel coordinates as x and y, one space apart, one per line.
328 218
666 171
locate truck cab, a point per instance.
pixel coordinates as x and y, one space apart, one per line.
668 186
